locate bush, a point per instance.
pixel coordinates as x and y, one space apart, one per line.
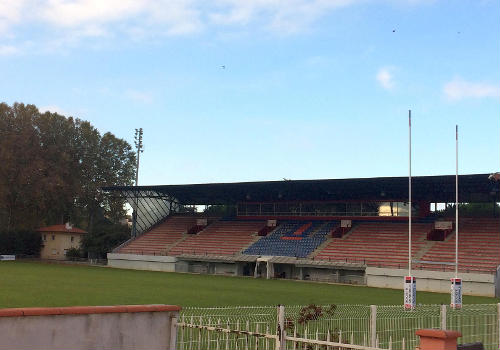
73 254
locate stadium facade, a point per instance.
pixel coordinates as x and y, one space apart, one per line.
335 230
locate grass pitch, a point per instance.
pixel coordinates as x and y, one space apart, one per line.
30 284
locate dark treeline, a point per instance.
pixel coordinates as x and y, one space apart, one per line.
52 169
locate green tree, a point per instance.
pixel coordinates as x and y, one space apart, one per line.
53 169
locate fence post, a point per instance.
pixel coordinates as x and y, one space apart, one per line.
280 341
373 326
173 333
498 318
443 317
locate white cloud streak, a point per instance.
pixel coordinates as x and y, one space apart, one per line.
459 89
52 109
139 96
138 19
7 50
284 16
10 13
385 78
170 17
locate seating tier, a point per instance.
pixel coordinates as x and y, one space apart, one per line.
292 238
478 247
380 244
220 238
157 240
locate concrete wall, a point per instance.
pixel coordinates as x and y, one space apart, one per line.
226 269
142 262
101 327
334 275
431 281
55 244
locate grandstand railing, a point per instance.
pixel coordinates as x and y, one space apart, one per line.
336 326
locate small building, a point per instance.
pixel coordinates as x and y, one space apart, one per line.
57 239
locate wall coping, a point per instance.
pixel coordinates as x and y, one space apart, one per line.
85 310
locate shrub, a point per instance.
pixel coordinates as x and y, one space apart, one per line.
73 253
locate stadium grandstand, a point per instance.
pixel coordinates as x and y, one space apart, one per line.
339 230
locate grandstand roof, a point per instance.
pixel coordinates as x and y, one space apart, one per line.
472 188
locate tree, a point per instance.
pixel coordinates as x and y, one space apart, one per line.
53 168
22 170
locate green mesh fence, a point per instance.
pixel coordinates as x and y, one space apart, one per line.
395 327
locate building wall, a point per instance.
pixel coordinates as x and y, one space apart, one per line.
431 281
55 244
117 327
142 262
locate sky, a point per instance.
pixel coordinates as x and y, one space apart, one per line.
254 90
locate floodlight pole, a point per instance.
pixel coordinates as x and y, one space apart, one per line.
139 147
456 202
409 195
410 287
456 283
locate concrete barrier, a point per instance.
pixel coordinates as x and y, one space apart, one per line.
89 327
431 281
142 262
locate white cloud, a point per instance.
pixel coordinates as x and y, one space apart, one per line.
171 17
52 109
6 50
284 16
139 96
10 13
458 89
80 12
138 19
385 78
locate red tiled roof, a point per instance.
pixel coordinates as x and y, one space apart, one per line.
60 228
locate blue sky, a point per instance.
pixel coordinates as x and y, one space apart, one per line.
309 89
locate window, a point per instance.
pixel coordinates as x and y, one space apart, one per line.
44 237
72 238
54 251
53 237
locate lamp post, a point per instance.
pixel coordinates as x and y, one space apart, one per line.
139 148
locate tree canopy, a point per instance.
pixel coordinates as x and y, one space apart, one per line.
52 169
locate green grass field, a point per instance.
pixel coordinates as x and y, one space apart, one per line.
29 284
